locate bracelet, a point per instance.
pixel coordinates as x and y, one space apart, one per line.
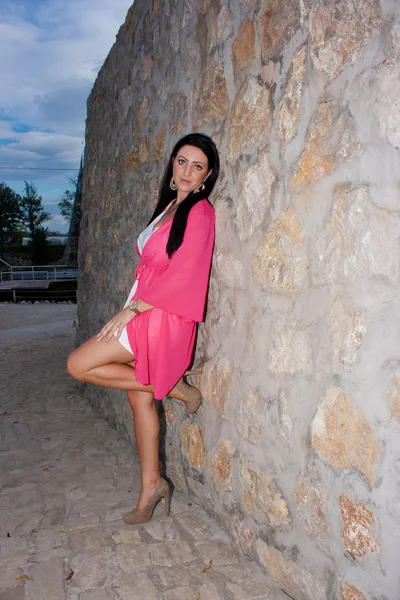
133 306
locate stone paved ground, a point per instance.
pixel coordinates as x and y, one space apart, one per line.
66 478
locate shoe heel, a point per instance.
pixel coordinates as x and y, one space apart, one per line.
167 501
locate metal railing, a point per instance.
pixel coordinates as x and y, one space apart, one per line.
36 273
19 295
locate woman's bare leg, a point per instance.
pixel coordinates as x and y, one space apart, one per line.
105 364
147 432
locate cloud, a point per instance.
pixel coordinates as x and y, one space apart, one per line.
57 223
53 52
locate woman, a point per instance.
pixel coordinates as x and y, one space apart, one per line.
155 332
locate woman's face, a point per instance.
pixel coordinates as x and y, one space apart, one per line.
190 168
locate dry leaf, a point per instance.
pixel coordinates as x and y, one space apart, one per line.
46 469
117 587
198 597
71 574
63 531
207 567
21 577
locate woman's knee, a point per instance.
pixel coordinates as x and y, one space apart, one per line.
73 367
140 400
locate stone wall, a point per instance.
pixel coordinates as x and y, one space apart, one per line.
296 447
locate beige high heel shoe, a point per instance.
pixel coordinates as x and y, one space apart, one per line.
188 394
135 517
194 372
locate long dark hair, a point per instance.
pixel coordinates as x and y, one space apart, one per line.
166 195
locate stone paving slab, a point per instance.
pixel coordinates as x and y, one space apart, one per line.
66 478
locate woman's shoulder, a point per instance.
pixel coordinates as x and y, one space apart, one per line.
204 209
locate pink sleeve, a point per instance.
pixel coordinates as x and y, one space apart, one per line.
182 288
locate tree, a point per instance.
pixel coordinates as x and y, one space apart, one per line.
10 212
66 204
32 209
33 216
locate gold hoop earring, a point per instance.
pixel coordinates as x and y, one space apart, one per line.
201 188
172 184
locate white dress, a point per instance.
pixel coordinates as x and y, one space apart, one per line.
142 239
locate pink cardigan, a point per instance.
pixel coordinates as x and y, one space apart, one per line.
162 339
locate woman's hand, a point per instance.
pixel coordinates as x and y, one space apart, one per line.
113 329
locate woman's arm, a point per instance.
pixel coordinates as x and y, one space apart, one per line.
114 327
181 289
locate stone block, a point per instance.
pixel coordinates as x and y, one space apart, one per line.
387 105
137 587
217 552
278 24
291 351
125 535
255 198
210 102
250 119
248 421
162 530
91 569
208 591
289 110
339 30
263 500
292 577
243 49
95 594
219 27
249 582
310 506
357 520
46 539
173 552
181 575
158 145
187 13
215 382
177 113
45 555
348 328
193 524
242 536
230 270
192 444
394 401
45 580
132 557
171 415
280 262
203 6
176 473
359 240
8 580
342 436
349 592
14 545
89 537
330 142
144 153
13 594
238 593
221 464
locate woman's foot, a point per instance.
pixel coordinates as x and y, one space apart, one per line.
135 516
188 394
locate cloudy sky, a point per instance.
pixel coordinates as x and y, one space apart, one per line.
51 51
